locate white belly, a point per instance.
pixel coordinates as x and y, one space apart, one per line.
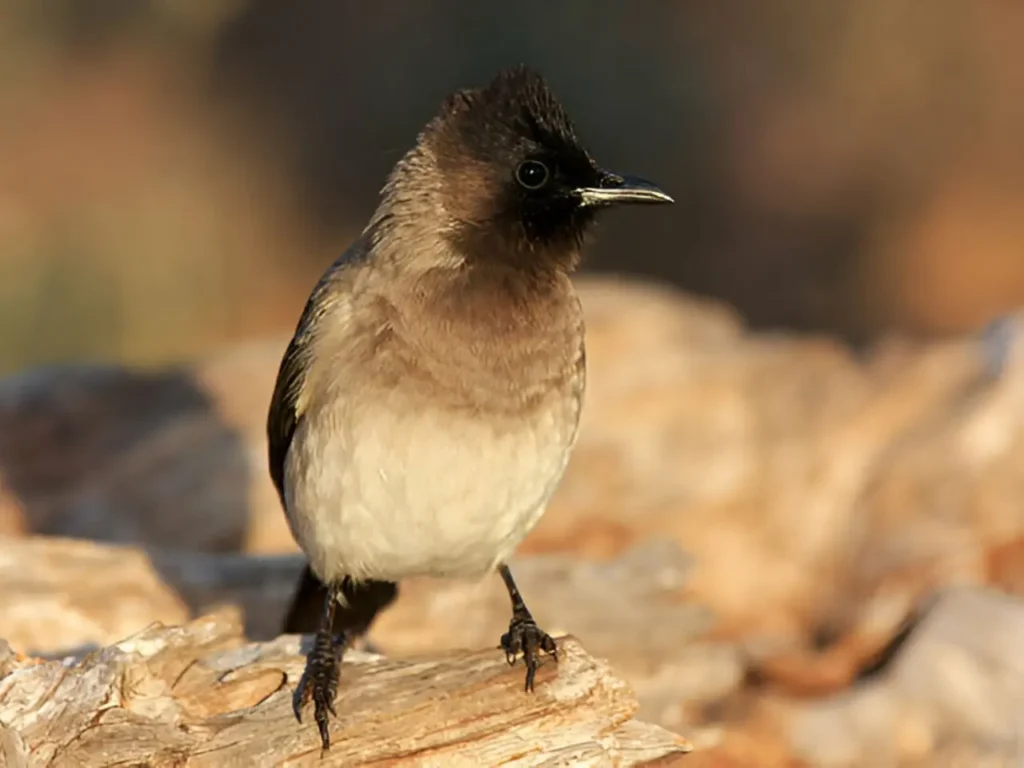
389 493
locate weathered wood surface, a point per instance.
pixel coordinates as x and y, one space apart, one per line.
199 694
56 598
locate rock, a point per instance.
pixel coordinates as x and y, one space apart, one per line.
943 507
953 694
199 693
57 595
752 451
170 458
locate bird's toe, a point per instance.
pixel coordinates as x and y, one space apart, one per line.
525 636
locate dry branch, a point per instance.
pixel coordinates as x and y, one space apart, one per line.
200 695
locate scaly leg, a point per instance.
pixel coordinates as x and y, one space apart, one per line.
320 678
523 633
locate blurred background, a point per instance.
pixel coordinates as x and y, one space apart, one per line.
175 175
797 493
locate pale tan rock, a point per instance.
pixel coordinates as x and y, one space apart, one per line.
944 507
199 693
953 694
751 451
57 594
752 731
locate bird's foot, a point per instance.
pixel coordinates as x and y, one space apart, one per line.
524 635
320 681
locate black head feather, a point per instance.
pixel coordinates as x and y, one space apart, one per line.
517 107
484 136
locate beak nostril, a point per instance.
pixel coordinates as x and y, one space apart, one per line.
611 180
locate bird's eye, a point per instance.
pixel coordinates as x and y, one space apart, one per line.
532 174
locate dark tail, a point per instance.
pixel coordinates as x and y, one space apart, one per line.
365 600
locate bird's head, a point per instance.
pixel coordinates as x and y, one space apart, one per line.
514 179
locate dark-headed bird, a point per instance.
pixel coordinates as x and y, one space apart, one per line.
429 400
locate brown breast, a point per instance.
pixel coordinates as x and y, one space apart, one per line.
487 339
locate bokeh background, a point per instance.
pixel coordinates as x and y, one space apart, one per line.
174 175
793 521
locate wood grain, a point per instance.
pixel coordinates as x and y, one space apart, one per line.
199 694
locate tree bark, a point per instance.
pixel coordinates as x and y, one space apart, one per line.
200 695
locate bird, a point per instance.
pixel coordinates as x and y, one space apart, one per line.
428 402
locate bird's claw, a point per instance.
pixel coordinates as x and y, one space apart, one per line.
319 683
524 635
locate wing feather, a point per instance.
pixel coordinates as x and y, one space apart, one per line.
288 402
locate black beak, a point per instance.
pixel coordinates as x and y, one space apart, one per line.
615 190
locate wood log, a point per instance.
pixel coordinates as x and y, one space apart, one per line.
199 695
55 598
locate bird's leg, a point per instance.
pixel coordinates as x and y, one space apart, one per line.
320 678
523 633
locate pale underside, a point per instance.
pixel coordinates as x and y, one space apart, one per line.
380 486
